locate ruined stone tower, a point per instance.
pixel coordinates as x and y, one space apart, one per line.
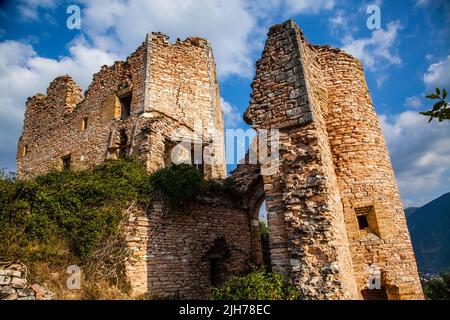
162 95
335 217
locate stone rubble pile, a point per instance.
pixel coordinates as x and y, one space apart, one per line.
14 284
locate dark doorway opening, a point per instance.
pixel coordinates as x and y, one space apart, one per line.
217 256
66 160
125 106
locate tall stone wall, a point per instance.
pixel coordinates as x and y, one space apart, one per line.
334 212
176 250
366 178
306 225
174 96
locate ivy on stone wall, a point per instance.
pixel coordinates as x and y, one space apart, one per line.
68 215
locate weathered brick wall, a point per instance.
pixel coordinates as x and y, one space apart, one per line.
366 178
333 163
169 83
52 128
306 225
172 248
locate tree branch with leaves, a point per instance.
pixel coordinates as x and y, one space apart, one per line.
440 110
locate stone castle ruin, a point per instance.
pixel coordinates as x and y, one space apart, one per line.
335 218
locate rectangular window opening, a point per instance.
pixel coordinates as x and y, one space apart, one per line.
125 106
66 161
84 123
367 219
362 222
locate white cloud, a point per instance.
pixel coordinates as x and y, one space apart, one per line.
420 153
232 116
377 50
28 9
308 6
414 102
23 73
339 19
120 27
422 3
438 75
234 27
381 79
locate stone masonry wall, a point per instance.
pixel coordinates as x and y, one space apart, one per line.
172 249
334 209
306 225
14 284
173 83
366 178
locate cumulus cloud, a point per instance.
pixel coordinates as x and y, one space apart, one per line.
28 9
23 73
438 75
339 19
420 153
234 27
232 116
309 6
377 50
119 26
414 102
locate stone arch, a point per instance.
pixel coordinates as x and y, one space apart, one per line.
248 180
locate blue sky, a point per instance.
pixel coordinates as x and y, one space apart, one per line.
407 57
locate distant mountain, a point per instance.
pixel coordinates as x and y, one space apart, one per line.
410 210
429 227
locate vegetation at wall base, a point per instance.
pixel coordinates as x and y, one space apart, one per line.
75 217
438 288
257 284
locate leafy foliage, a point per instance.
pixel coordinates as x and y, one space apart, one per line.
72 212
440 110
179 183
68 211
256 285
264 231
438 289
66 217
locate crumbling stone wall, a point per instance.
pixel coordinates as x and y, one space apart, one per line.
172 87
366 178
333 207
14 284
175 250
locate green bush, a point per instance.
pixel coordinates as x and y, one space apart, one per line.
438 289
69 209
256 285
179 183
75 216
264 231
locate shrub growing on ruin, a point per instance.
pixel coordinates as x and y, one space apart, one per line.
438 288
256 285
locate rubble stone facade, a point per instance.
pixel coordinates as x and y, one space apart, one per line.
335 218
162 95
